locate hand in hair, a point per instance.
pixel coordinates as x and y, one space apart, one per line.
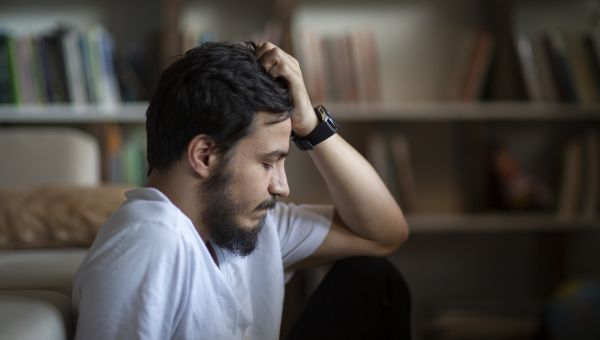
279 64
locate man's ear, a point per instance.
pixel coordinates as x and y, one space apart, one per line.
202 155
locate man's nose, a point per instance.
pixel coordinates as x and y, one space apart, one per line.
279 185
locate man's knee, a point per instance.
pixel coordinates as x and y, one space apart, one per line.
372 272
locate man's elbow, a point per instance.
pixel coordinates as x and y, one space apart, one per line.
397 239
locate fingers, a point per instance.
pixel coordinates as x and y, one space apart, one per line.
262 48
276 62
269 56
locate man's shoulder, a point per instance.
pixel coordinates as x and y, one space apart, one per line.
138 212
154 226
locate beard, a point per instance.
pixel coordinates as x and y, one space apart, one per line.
219 215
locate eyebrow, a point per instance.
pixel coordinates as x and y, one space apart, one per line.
277 154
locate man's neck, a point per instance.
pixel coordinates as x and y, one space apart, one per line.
183 194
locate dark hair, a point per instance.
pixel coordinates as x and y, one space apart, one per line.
214 89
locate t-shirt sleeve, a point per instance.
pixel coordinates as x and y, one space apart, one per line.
301 229
134 291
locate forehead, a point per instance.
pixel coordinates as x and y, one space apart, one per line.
268 133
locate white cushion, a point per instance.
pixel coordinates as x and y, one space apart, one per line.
35 315
38 156
48 269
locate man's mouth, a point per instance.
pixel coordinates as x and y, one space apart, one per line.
266 205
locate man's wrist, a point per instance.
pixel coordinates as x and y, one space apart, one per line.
308 125
325 128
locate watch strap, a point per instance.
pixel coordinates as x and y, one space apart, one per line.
319 134
325 129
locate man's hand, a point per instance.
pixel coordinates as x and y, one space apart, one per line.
282 65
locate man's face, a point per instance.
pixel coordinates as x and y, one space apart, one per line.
246 184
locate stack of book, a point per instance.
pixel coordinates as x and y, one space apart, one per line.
123 153
60 66
560 66
342 67
550 66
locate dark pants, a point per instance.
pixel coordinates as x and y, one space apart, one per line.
360 298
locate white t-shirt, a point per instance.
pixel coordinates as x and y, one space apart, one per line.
148 274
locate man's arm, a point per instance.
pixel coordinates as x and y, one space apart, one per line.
367 221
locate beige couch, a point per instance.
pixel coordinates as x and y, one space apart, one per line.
35 289
35 280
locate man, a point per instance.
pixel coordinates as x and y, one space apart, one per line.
200 253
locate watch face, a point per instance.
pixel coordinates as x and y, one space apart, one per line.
327 117
323 113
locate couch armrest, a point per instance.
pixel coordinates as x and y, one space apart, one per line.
29 315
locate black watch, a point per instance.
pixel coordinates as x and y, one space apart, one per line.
326 128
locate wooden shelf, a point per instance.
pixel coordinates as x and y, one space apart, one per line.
346 112
510 223
464 111
70 114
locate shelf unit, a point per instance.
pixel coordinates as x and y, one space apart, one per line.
69 114
500 223
344 112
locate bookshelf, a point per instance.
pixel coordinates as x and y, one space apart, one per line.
460 111
421 58
499 223
133 113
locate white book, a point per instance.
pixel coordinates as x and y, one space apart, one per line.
110 84
530 72
74 67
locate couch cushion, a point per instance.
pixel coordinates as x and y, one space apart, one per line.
50 217
48 155
28 315
50 269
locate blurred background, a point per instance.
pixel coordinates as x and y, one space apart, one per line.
482 116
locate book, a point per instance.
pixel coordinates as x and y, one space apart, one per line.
112 96
403 167
479 63
556 51
310 58
14 73
74 68
112 147
133 157
24 69
548 87
6 95
88 72
379 155
55 67
529 67
340 66
591 199
371 68
569 200
62 65
583 78
592 59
